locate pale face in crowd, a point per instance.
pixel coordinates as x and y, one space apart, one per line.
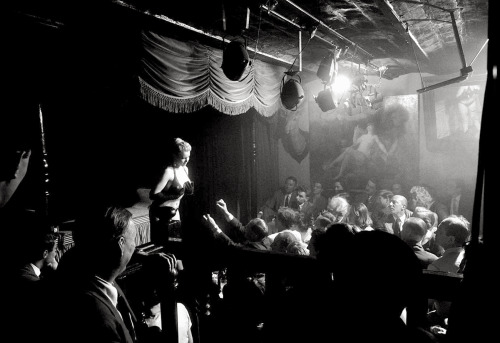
302 197
337 187
289 186
49 259
370 188
318 188
397 206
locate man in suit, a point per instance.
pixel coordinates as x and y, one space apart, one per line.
413 233
42 255
399 214
283 197
103 252
31 288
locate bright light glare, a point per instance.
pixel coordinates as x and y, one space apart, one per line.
342 84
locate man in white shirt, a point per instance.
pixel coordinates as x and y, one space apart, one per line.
399 214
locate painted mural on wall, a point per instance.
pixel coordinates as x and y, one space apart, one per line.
354 144
452 118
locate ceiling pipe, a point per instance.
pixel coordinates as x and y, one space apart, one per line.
190 28
270 11
390 12
331 30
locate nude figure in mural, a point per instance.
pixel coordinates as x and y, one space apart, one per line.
360 152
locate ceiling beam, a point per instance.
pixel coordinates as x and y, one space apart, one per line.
191 28
335 33
388 10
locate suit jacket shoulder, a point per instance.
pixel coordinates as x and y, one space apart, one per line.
93 318
26 273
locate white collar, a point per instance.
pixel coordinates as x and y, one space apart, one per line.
36 269
108 289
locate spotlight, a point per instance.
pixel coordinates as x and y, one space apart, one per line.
341 85
292 93
234 60
325 100
326 68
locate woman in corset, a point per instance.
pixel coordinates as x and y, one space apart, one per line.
167 193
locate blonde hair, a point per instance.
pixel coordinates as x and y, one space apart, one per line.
422 196
182 145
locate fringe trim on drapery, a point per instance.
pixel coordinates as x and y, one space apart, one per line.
188 105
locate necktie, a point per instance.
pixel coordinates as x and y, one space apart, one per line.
397 227
287 200
127 314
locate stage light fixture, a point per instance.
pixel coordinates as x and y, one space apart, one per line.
326 68
235 60
291 93
324 99
341 85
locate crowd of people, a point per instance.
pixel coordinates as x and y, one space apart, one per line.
369 250
299 222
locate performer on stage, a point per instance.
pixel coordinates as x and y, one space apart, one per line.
167 193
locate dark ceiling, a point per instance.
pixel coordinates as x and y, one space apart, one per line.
379 36
376 33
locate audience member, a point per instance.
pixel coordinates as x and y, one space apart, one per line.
283 197
41 256
283 240
104 249
288 219
252 235
413 233
451 235
333 247
380 210
431 220
304 206
421 196
381 278
31 288
359 217
315 242
338 188
318 199
399 214
339 207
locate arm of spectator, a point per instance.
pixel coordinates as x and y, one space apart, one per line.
217 233
221 205
8 187
236 229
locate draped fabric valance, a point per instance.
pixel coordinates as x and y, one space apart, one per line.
183 77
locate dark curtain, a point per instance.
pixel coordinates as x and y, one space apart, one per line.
266 166
260 162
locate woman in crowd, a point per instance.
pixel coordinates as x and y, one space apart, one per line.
167 193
